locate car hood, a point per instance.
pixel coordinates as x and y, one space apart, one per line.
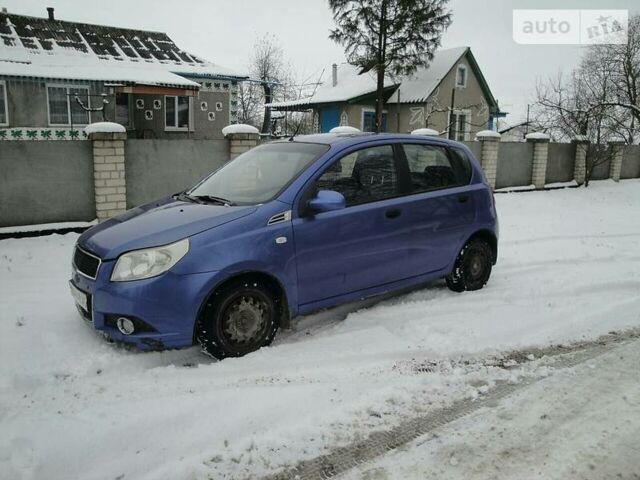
157 223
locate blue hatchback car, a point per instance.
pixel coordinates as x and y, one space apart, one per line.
287 228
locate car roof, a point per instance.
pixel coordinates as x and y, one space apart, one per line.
346 139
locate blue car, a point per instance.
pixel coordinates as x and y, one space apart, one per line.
289 227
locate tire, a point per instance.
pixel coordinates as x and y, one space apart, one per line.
238 319
472 268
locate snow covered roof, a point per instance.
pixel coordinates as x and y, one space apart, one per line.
416 88
351 84
424 81
44 48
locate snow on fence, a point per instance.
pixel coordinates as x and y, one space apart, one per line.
46 182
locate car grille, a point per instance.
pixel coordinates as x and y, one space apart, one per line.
86 263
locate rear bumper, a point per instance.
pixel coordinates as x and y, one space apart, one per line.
167 304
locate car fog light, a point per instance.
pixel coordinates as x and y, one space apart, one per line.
125 326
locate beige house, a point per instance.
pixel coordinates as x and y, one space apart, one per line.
450 96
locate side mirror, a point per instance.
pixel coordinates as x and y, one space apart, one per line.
326 201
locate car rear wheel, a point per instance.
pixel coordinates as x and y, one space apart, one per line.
472 268
238 319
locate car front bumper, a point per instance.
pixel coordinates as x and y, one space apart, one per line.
166 306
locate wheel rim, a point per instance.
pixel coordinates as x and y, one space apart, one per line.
245 321
477 266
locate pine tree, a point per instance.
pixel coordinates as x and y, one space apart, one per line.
391 36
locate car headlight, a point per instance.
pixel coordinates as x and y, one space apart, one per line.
148 262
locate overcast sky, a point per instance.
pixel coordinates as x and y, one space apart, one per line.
224 32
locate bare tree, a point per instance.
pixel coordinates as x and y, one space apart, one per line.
623 65
273 80
598 101
250 103
574 107
267 65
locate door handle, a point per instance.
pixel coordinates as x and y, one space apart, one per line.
393 213
463 198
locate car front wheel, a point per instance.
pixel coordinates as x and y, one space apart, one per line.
238 319
472 268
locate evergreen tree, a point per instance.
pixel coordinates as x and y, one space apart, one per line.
391 36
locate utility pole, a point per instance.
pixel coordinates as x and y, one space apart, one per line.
397 113
453 102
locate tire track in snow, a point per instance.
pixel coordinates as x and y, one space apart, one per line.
342 459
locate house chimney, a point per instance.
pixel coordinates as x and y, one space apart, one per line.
334 71
50 12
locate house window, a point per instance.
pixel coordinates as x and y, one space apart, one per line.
177 112
64 108
459 125
122 109
461 76
369 121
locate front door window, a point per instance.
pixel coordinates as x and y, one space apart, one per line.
367 175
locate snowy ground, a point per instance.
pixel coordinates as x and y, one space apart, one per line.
74 406
581 422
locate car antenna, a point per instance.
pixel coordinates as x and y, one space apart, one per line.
296 132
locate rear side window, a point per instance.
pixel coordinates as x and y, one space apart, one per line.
432 167
465 164
367 175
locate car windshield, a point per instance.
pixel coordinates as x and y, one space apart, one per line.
258 175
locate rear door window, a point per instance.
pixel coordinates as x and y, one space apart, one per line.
363 176
433 167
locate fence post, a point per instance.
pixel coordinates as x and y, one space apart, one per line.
580 166
242 138
540 143
490 142
615 166
110 188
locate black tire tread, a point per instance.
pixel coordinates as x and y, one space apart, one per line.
206 333
456 280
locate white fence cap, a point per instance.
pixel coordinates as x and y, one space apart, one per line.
487 134
537 136
104 127
239 128
425 131
344 129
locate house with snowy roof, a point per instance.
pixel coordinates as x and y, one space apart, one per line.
58 76
451 96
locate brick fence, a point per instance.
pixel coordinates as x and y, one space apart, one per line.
47 182
531 163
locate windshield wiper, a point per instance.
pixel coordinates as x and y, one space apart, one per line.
184 196
211 198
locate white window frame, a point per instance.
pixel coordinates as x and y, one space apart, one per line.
67 86
6 104
189 128
467 125
466 75
370 110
